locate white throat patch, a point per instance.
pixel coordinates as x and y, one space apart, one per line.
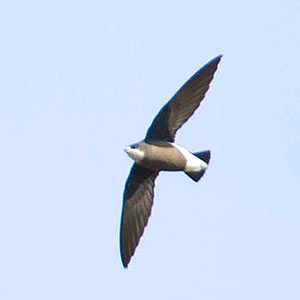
134 153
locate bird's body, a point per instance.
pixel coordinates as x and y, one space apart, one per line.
158 152
165 156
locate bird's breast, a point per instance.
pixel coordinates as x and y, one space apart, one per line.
163 157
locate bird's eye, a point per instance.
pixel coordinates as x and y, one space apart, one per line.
134 146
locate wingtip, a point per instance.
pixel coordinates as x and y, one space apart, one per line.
211 64
218 58
125 263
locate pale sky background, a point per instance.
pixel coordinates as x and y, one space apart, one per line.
80 80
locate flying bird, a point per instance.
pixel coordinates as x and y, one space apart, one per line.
158 152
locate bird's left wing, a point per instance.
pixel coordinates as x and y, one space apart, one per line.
182 105
137 204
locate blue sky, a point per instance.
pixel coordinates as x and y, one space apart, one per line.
80 81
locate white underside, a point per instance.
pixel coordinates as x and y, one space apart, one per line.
193 163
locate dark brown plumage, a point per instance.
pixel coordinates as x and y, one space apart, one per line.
182 105
138 200
139 187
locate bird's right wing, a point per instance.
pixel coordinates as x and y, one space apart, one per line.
137 204
182 105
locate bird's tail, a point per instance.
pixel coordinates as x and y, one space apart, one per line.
205 156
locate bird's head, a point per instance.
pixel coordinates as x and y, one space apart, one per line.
135 151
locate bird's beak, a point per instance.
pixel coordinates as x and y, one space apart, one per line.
127 149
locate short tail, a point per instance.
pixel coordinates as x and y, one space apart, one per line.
205 156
